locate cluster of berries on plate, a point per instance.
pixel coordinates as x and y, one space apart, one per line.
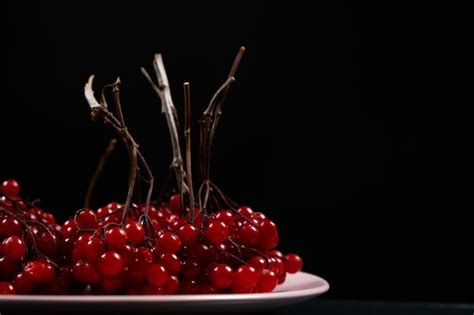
180 243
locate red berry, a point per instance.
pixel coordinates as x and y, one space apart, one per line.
276 253
86 272
9 226
257 262
267 281
86 219
276 265
269 234
175 203
110 264
249 235
135 232
102 212
217 232
168 242
226 216
171 285
245 211
143 255
206 288
221 276
23 283
11 188
35 269
115 237
157 275
6 288
94 249
293 263
188 234
48 274
245 279
171 262
8 268
13 248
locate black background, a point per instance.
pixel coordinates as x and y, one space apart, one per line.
350 125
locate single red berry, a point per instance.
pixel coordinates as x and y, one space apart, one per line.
35 270
110 264
206 288
276 265
226 216
127 254
85 272
114 205
171 285
48 273
6 288
11 188
276 253
221 276
23 283
115 237
94 248
258 262
293 263
135 232
10 226
171 262
188 234
267 282
102 212
86 219
245 279
157 275
269 234
13 248
249 235
216 232
245 211
48 218
168 242
175 203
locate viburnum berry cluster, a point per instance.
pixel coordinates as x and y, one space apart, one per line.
180 243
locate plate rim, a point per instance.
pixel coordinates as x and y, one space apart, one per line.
301 293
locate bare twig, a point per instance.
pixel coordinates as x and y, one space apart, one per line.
187 138
163 90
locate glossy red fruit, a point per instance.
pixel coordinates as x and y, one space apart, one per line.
135 232
171 262
35 270
86 219
6 288
11 188
94 248
188 234
175 203
86 272
13 248
221 276
143 255
249 235
157 275
10 226
245 279
216 232
245 211
258 262
267 282
8 268
23 283
110 264
226 216
293 263
269 234
171 285
168 242
48 273
276 265
115 237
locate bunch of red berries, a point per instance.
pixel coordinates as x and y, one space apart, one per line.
103 252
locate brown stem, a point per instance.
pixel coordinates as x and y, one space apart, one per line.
103 160
187 137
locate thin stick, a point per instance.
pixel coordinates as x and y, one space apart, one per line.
103 160
167 107
187 138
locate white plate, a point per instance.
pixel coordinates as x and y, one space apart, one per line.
298 287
